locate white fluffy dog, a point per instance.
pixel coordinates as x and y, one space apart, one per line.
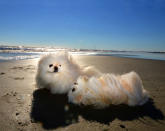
59 71
109 89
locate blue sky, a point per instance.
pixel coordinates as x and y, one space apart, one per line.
96 24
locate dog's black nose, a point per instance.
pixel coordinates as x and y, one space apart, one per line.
73 89
55 69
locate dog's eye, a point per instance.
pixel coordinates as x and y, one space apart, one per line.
60 65
75 83
73 89
50 65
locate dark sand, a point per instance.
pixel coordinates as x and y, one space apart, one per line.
24 107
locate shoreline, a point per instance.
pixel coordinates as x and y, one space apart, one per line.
113 56
123 54
27 108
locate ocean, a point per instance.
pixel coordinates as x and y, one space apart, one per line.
22 53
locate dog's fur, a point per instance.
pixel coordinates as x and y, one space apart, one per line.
59 71
109 89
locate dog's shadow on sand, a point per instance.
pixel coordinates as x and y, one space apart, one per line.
52 111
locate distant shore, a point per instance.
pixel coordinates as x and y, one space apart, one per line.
24 107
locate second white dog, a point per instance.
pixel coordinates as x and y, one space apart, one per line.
108 89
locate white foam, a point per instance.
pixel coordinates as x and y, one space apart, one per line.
19 57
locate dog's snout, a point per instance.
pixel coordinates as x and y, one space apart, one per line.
55 68
73 89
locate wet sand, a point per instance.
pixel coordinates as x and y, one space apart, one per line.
24 107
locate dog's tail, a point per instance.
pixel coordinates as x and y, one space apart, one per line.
145 98
137 95
141 93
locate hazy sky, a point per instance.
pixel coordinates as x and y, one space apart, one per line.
97 24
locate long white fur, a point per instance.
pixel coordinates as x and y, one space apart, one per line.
108 89
68 72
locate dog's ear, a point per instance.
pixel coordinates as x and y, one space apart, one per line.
82 79
85 78
70 57
62 53
65 53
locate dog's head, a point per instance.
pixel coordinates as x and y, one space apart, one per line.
77 93
81 82
57 71
54 63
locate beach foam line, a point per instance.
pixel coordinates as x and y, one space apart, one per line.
23 55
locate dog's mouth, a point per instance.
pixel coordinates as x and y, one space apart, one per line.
54 71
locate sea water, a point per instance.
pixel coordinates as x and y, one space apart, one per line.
21 53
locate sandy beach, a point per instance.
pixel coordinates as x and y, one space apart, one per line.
25 108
